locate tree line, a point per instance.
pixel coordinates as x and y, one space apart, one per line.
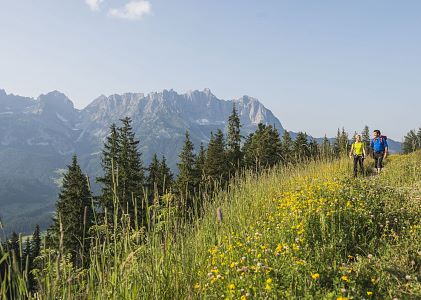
140 197
412 141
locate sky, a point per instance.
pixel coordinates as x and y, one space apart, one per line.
318 65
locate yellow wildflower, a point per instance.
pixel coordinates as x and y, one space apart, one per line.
369 293
345 278
315 276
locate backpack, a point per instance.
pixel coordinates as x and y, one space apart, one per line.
383 138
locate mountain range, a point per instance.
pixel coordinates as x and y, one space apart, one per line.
39 136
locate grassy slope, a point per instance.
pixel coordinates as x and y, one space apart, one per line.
310 232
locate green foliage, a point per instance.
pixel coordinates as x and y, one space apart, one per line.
123 179
263 148
287 148
412 141
365 137
69 231
216 167
233 151
301 147
186 178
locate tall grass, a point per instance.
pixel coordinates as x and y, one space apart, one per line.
348 239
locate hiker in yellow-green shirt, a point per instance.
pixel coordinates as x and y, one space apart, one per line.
358 153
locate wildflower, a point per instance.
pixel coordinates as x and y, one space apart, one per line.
369 293
370 256
231 286
315 276
345 278
197 286
342 298
269 281
407 277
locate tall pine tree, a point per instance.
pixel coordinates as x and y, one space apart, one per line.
216 168
73 215
110 167
131 177
287 148
234 154
186 179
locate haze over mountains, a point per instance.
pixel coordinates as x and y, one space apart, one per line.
39 136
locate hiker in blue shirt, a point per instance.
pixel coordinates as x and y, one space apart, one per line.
380 149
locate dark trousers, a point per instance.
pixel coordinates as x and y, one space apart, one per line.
358 160
378 159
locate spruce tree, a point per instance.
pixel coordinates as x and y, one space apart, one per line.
411 142
326 148
186 178
287 148
313 148
166 177
365 137
131 176
301 147
234 155
35 251
200 163
263 148
344 142
73 215
153 179
337 144
109 163
216 168
36 243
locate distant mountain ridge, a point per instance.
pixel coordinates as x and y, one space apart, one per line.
38 137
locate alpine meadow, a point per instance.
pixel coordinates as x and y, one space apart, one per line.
236 150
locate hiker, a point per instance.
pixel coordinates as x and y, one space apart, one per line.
358 153
380 149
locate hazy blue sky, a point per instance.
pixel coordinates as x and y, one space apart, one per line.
318 65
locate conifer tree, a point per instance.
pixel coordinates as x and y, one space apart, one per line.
35 251
326 148
287 148
301 146
337 144
130 172
14 246
411 142
262 148
419 138
73 214
216 169
200 162
313 148
153 176
185 182
234 155
344 142
365 137
109 163
36 243
165 175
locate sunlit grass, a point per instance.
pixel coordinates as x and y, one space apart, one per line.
309 231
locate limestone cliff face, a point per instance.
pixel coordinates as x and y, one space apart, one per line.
38 136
